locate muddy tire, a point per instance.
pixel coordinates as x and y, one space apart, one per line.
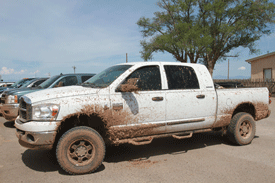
241 129
80 150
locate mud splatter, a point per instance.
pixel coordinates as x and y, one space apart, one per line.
130 86
262 111
257 110
141 163
223 121
111 120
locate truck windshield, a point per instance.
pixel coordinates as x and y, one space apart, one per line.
49 82
106 77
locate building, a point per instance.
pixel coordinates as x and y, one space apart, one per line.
263 67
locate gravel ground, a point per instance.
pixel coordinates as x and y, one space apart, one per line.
206 157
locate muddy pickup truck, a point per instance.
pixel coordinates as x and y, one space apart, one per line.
135 103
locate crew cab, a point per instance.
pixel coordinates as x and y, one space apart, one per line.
135 103
10 98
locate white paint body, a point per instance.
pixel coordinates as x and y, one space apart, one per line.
180 110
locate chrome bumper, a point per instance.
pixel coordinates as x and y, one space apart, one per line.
36 140
10 111
36 135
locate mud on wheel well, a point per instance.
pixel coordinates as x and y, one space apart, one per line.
92 121
245 107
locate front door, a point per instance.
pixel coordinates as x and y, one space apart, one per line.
144 108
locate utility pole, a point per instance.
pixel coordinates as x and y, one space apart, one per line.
74 69
228 64
228 71
126 57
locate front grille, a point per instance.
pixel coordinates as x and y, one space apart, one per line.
25 111
3 99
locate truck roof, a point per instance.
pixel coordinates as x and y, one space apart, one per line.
161 62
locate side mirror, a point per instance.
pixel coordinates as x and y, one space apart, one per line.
130 86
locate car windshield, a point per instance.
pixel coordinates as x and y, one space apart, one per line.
27 83
20 82
49 82
106 77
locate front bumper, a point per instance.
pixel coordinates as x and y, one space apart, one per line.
32 135
10 111
1 110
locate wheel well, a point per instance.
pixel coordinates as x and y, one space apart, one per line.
245 107
93 121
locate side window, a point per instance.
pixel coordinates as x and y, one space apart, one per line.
85 78
66 81
181 77
148 78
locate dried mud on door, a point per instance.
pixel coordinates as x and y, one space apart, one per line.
111 120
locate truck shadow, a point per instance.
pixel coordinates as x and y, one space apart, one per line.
9 124
45 161
169 145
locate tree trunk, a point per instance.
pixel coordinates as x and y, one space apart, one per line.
210 66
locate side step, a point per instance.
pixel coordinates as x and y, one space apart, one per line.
183 136
149 139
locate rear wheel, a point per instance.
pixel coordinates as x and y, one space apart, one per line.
80 150
241 129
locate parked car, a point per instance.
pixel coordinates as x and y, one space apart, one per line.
28 84
10 99
6 84
17 84
135 103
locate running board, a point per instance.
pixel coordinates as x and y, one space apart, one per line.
183 136
149 139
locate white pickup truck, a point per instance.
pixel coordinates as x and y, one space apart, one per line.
135 103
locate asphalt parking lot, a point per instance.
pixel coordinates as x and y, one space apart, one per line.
206 157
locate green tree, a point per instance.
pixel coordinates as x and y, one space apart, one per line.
205 30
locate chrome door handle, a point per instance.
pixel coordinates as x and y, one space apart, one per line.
157 98
117 106
200 96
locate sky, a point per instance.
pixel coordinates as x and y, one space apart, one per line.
46 38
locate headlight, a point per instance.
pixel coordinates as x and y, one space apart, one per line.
45 112
12 99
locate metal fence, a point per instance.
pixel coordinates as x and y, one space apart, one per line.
249 83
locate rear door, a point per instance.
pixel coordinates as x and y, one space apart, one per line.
188 105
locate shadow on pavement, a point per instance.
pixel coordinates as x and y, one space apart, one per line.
9 124
169 145
45 161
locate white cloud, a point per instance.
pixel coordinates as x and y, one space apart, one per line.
7 71
241 68
35 72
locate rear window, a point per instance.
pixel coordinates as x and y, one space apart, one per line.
85 78
181 77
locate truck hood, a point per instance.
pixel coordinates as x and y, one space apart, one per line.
54 93
20 91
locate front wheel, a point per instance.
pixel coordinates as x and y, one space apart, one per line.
241 129
80 150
